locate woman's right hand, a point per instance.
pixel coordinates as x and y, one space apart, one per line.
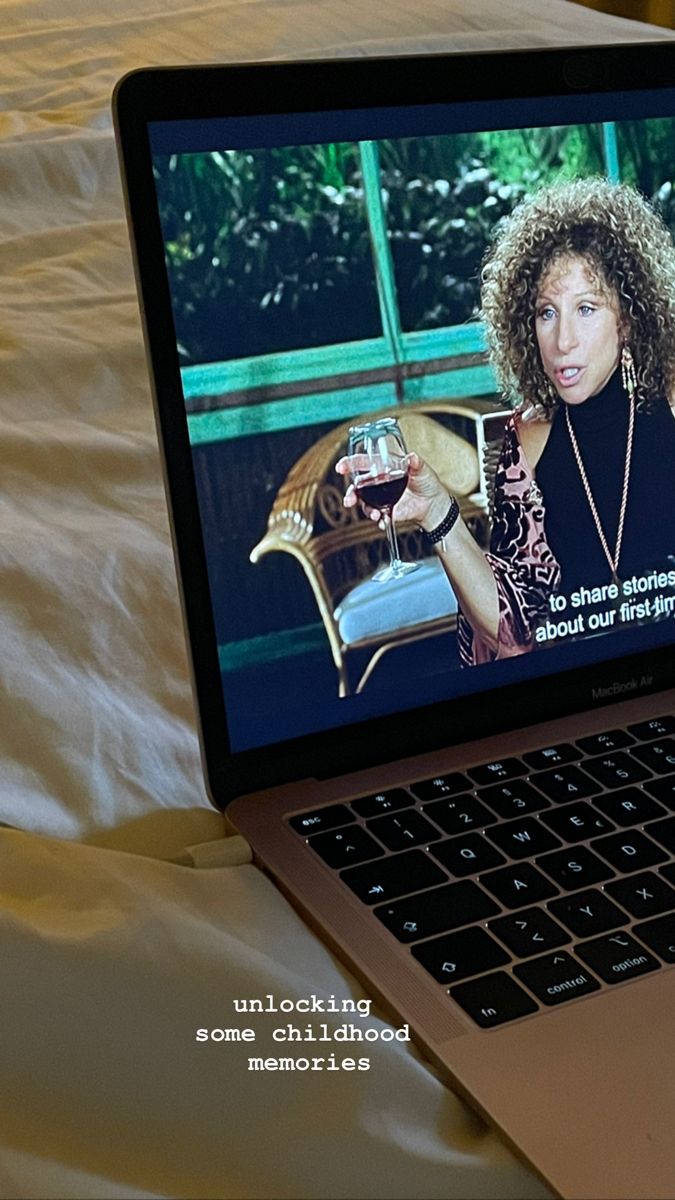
424 501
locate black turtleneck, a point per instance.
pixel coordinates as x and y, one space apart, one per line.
601 428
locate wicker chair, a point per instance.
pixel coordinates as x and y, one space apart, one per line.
339 549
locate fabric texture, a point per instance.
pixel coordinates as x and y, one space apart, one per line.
524 568
112 958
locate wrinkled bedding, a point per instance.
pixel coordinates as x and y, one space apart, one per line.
112 954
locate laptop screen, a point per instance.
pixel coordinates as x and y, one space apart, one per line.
420 274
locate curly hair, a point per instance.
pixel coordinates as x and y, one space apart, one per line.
630 254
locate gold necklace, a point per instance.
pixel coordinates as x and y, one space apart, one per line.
613 561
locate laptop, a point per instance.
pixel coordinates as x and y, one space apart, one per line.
490 848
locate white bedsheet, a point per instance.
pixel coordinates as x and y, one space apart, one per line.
112 959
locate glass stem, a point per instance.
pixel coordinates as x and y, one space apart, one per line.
390 530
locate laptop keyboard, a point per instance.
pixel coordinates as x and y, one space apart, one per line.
524 883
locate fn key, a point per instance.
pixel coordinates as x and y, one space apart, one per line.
493 999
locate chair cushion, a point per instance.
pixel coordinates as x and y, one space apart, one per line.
376 609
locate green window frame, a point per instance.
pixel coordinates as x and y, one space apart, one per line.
288 389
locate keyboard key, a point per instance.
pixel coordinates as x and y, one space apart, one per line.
663 832
615 770
467 855
602 743
629 850
575 868
497 772
322 818
658 756
382 802
529 932
493 999
628 807
557 977
643 895
518 885
587 913
617 956
569 783
459 815
394 876
668 872
514 799
437 911
646 731
552 756
523 838
576 822
663 789
346 846
659 935
456 955
398 831
441 785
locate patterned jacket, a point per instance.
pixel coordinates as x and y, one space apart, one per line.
525 570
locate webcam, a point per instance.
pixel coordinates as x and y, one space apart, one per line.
583 71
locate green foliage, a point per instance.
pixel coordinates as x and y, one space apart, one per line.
438 232
266 250
270 249
539 156
647 153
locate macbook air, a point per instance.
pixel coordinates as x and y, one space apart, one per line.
488 843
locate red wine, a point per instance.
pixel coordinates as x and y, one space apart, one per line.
382 491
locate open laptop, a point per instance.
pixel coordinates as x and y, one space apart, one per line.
492 848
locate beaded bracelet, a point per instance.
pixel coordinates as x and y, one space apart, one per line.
441 531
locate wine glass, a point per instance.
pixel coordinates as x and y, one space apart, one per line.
379 471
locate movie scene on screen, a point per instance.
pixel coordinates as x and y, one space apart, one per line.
430 389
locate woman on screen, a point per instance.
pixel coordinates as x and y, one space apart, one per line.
578 300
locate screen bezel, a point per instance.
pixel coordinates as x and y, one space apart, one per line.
202 93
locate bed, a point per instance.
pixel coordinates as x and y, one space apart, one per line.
115 949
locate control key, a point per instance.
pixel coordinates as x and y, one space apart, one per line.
556 977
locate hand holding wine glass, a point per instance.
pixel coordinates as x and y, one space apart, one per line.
424 500
390 484
378 465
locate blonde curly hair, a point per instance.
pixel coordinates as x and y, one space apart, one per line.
631 255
